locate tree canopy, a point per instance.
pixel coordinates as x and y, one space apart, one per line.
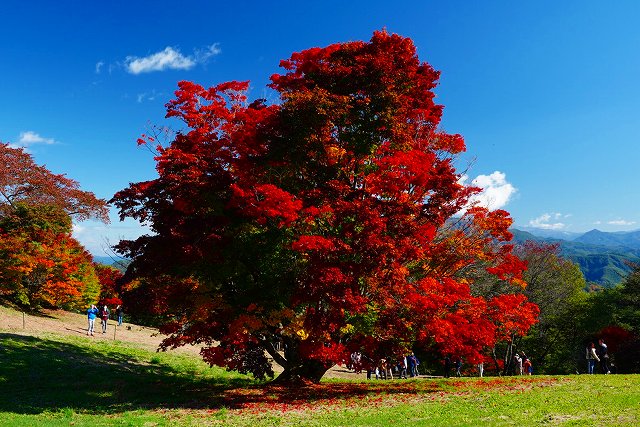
328 222
24 181
40 261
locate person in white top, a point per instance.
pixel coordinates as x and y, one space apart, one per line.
592 358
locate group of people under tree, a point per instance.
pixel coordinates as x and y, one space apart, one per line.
449 364
384 367
103 313
598 355
522 364
407 366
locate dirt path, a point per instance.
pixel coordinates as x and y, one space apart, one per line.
67 323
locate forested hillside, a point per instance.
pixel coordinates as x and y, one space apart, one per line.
604 258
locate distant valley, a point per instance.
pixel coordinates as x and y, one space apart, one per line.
603 257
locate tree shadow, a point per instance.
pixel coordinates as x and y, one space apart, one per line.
38 375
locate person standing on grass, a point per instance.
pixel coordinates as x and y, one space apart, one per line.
527 366
120 314
447 366
524 358
402 365
104 315
592 358
413 362
603 354
92 313
518 363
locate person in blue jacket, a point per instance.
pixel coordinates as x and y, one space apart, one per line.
92 313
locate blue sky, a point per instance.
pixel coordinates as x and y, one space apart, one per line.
547 94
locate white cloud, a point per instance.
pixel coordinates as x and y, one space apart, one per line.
169 59
621 222
99 66
203 55
496 191
545 221
148 96
29 138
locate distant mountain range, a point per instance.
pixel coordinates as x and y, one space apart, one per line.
119 263
603 257
107 260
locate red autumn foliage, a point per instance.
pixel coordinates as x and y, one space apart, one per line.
326 222
339 396
109 278
110 302
23 181
616 337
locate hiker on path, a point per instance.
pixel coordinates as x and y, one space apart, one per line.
120 314
92 313
104 315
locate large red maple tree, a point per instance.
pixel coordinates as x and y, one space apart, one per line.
322 224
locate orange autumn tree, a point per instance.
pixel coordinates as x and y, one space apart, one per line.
40 262
325 223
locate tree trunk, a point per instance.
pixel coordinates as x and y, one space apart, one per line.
508 357
297 370
495 360
304 372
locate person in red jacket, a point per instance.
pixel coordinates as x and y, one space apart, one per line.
104 315
527 367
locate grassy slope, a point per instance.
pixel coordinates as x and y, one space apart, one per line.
51 379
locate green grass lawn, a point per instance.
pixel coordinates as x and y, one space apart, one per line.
65 380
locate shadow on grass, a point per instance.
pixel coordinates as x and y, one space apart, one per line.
38 375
